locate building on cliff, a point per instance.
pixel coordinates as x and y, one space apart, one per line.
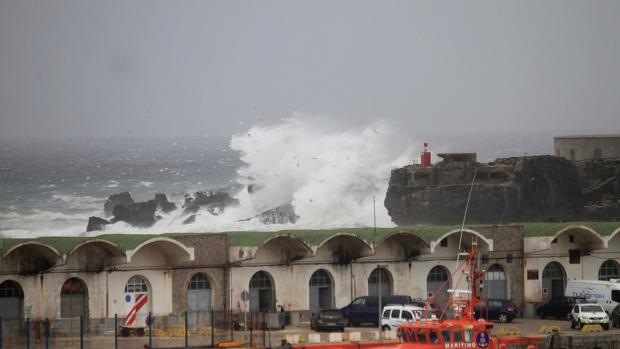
61 278
584 147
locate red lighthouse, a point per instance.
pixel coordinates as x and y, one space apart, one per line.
425 157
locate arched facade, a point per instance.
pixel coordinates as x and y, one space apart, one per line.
437 284
11 300
496 283
553 280
380 279
198 294
262 292
609 270
74 299
321 291
138 300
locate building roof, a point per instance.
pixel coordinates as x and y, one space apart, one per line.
587 136
127 242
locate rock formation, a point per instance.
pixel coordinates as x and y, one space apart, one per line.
283 214
96 223
519 189
212 201
123 199
142 214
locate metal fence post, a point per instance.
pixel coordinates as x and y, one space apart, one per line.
115 331
28 333
150 330
186 330
81 332
251 327
264 328
212 329
231 325
47 333
0 333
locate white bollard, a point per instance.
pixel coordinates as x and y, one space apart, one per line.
292 338
335 337
314 338
355 336
375 335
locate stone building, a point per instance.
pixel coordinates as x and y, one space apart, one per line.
584 147
66 277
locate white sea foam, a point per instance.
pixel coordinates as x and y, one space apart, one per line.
330 175
146 184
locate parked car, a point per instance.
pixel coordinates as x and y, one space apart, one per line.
366 309
502 310
327 320
396 315
614 318
589 313
558 307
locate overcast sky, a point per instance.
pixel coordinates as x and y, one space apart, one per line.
179 68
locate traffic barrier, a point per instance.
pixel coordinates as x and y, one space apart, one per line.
302 339
389 335
335 337
345 336
548 329
509 331
591 328
292 338
355 336
314 338
375 335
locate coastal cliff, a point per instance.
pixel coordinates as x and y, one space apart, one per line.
517 189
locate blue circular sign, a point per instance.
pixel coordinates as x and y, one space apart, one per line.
127 298
483 340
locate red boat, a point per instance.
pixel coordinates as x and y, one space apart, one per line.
461 330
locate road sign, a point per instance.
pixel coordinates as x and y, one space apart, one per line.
245 296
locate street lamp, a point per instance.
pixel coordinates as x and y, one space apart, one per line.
380 268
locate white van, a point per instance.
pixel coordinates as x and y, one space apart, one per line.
604 293
395 315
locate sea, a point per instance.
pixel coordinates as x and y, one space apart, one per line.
333 177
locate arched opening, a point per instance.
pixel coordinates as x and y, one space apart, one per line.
11 300
609 270
262 294
402 245
553 281
380 279
343 248
74 299
495 283
198 294
282 249
137 301
437 285
321 291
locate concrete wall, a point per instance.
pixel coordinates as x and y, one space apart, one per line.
584 146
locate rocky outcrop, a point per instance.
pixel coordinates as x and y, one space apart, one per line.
142 214
213 201
600 180
122 199
533 188
283 214
96 223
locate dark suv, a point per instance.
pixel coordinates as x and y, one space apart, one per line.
558 307
502 310
366 309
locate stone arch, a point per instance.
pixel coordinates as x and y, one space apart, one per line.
553 280
584 236
321 292
410 244
438 283
496 283
611 237
343 248
199 293
138 301
31 257
282 248
74 298
609 269
173 251
380 279
11 300
262 292
488 242
96 254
